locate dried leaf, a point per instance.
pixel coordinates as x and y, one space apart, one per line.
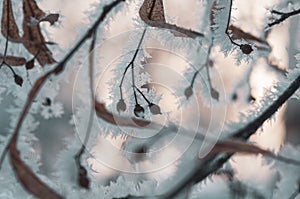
8 23
12 60
27 178
238 33
35 10
51 18
33 38
152 13
154 10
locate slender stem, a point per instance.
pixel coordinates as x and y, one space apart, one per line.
139 45
3 154
148 102
12 70
208 77
92 97
133 83
131 64
294 194
228 22
206 63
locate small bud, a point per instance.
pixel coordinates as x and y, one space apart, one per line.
214 94
246 49
121 106
18 80
154 109
188 92
139 111
83 180
30 64
234 96
47 102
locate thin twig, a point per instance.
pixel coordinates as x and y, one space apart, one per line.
91 116
294 194
227 27
131 64
211 164
283 16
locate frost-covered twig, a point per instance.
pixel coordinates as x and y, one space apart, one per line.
82 178
12 145
245 48
283 16
211 163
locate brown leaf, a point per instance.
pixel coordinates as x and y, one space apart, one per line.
107 116
154 10
27 178
33 38
51 18
235 146
152 13
35 10
238 33
12 60
8 23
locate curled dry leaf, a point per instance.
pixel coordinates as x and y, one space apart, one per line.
51 18
152 13
33 39
27 178
9 28
12 60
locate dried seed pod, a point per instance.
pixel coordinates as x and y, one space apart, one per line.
18 80
139 111
246 49
188 92
121 106
154 109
